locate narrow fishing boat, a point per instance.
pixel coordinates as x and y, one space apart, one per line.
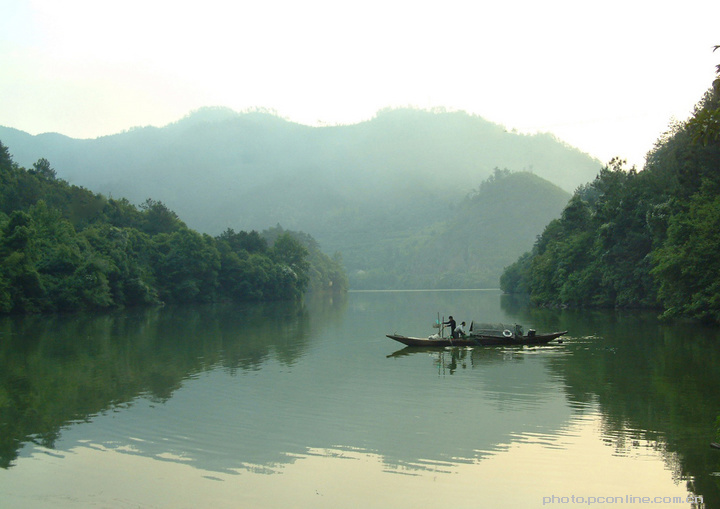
483 336
478 340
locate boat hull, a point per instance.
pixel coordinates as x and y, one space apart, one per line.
478 340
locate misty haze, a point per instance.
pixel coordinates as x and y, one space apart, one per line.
398 197
252 310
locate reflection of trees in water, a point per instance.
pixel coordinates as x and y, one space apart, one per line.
56 369
656 384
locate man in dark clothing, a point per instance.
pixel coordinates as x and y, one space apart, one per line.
451 323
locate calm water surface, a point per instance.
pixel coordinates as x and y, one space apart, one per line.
270 406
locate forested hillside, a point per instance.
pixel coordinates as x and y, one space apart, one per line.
467 246
374 191
639 239
64 248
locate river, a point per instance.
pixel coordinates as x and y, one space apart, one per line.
311 406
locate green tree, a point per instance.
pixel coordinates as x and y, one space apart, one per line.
514 278
6 162
158 218
596 253
43 169
705 124
639 238
688 264
250 242
186 266
75 250
126 253
19 254
123 214
686 261
292 272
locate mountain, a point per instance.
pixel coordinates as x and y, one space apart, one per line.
352 188
470 248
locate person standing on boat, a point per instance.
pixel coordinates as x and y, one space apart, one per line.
453 325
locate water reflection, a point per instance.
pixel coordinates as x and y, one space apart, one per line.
228 390
519 473
59 369
655 385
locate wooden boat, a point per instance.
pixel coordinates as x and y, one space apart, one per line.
501 339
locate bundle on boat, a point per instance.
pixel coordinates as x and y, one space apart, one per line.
498 329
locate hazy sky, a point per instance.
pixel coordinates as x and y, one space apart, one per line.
605 76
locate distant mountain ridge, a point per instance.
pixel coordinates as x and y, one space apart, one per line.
347 186
470 246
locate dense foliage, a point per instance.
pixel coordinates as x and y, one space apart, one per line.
639 239
377 191
64 248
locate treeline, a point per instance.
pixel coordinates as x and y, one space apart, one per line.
373 191
639 239
64 248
